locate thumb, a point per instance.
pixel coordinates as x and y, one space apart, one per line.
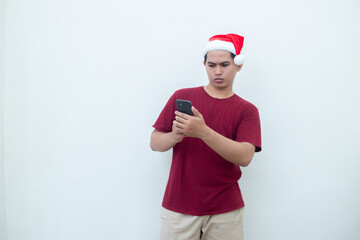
196 112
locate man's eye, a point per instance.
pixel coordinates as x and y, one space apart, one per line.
225 65
210 65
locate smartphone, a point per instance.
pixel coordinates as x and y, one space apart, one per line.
184 106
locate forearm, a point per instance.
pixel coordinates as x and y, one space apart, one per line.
161 141
240 153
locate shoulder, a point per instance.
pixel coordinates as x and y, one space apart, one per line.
244 105
187 92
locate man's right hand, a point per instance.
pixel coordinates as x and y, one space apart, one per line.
163 141
178 137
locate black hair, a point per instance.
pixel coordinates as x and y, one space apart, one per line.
232 55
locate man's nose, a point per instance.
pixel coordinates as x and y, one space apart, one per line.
218 70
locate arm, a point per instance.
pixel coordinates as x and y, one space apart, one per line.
162 142
240 153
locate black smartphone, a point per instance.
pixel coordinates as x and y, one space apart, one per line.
184 106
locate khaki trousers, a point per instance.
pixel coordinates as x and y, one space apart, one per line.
225 226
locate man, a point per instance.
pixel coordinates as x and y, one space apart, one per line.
202 199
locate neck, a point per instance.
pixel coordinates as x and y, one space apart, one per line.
218 93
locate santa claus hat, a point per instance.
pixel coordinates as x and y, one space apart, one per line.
228 42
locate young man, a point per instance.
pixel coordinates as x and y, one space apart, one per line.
202 199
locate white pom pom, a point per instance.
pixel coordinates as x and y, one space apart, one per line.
239 59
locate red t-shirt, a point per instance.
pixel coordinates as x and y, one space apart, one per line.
201 182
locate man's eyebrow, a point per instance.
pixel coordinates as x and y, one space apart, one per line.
219 63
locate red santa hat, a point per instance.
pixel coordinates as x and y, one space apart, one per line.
228 42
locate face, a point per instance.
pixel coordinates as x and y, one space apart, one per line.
221 69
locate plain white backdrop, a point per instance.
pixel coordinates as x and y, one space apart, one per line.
82 82
2 127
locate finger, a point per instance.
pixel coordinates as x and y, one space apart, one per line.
177 130
180 119
196 112
182 115
178 125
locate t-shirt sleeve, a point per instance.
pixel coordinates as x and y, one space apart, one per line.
167 116
249 129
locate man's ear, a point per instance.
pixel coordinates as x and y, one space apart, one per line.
239 68
204 63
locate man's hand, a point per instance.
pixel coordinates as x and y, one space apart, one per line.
190 126
240 153
177 136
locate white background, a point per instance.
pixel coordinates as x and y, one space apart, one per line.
82 82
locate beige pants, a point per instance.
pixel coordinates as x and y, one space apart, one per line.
225 226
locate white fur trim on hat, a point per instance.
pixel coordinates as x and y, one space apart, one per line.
219 45
223 45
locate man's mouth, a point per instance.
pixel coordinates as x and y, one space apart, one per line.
219 80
